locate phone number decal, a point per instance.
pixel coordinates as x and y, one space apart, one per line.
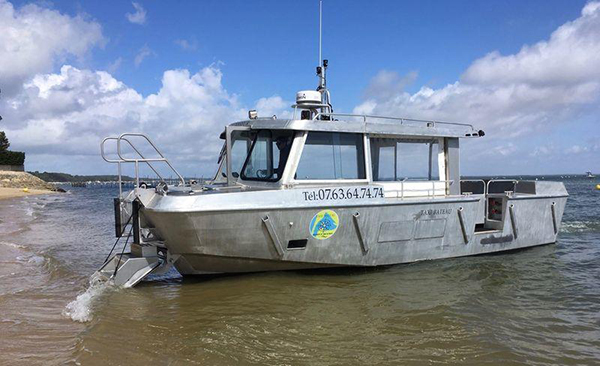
325 194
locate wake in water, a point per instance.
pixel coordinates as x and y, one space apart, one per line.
34 206
32 259
81 309
12 245
580 226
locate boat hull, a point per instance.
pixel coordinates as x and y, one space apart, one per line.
377 233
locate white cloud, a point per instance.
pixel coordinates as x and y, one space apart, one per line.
542 151
139 17
62 116
509 96
68 113
576 149
34 38
187 45
503 150
387 84
142 54
115 65
59 117
273 106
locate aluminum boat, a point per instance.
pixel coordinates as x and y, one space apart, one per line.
322 190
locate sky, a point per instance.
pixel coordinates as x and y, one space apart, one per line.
526 72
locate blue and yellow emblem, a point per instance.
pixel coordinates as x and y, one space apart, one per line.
324 224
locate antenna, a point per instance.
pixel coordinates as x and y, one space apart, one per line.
320 30
322 68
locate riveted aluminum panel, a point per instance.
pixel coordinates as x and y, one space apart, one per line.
427 229
396 231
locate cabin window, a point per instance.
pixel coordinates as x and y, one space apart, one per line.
241 142
268 155
328 155
221 176
404 159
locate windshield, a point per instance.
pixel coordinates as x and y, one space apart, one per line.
221 176
241 142
268 156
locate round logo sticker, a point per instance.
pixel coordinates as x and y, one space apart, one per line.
324 224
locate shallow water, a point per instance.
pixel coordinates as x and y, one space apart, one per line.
539 306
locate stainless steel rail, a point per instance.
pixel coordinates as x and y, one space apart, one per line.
430 192
484 185
486 188
136 161
484 193
513 181
365 117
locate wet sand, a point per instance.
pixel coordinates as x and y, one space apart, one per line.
6 193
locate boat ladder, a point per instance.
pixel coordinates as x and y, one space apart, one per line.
147 254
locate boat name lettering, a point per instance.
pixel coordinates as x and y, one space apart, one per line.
437 211
343 193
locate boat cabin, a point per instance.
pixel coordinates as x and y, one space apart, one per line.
409 158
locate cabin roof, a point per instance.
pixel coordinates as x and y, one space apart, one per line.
378 126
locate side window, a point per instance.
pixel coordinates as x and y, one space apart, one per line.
397 160
328 155
383 159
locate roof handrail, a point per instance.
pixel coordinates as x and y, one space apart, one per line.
431 123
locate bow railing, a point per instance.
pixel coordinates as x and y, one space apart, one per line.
136 160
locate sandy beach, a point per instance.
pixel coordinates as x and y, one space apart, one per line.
19 184
6 193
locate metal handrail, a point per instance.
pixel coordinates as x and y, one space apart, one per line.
476 180
402 120
486 191
514 181
147 160
428 190
134 149
118 162
136 161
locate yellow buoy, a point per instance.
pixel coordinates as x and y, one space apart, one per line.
25 190
598 187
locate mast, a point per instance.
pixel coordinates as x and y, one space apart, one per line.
316 102
322 68
320 30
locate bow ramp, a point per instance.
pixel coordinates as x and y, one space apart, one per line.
127 269
147 254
